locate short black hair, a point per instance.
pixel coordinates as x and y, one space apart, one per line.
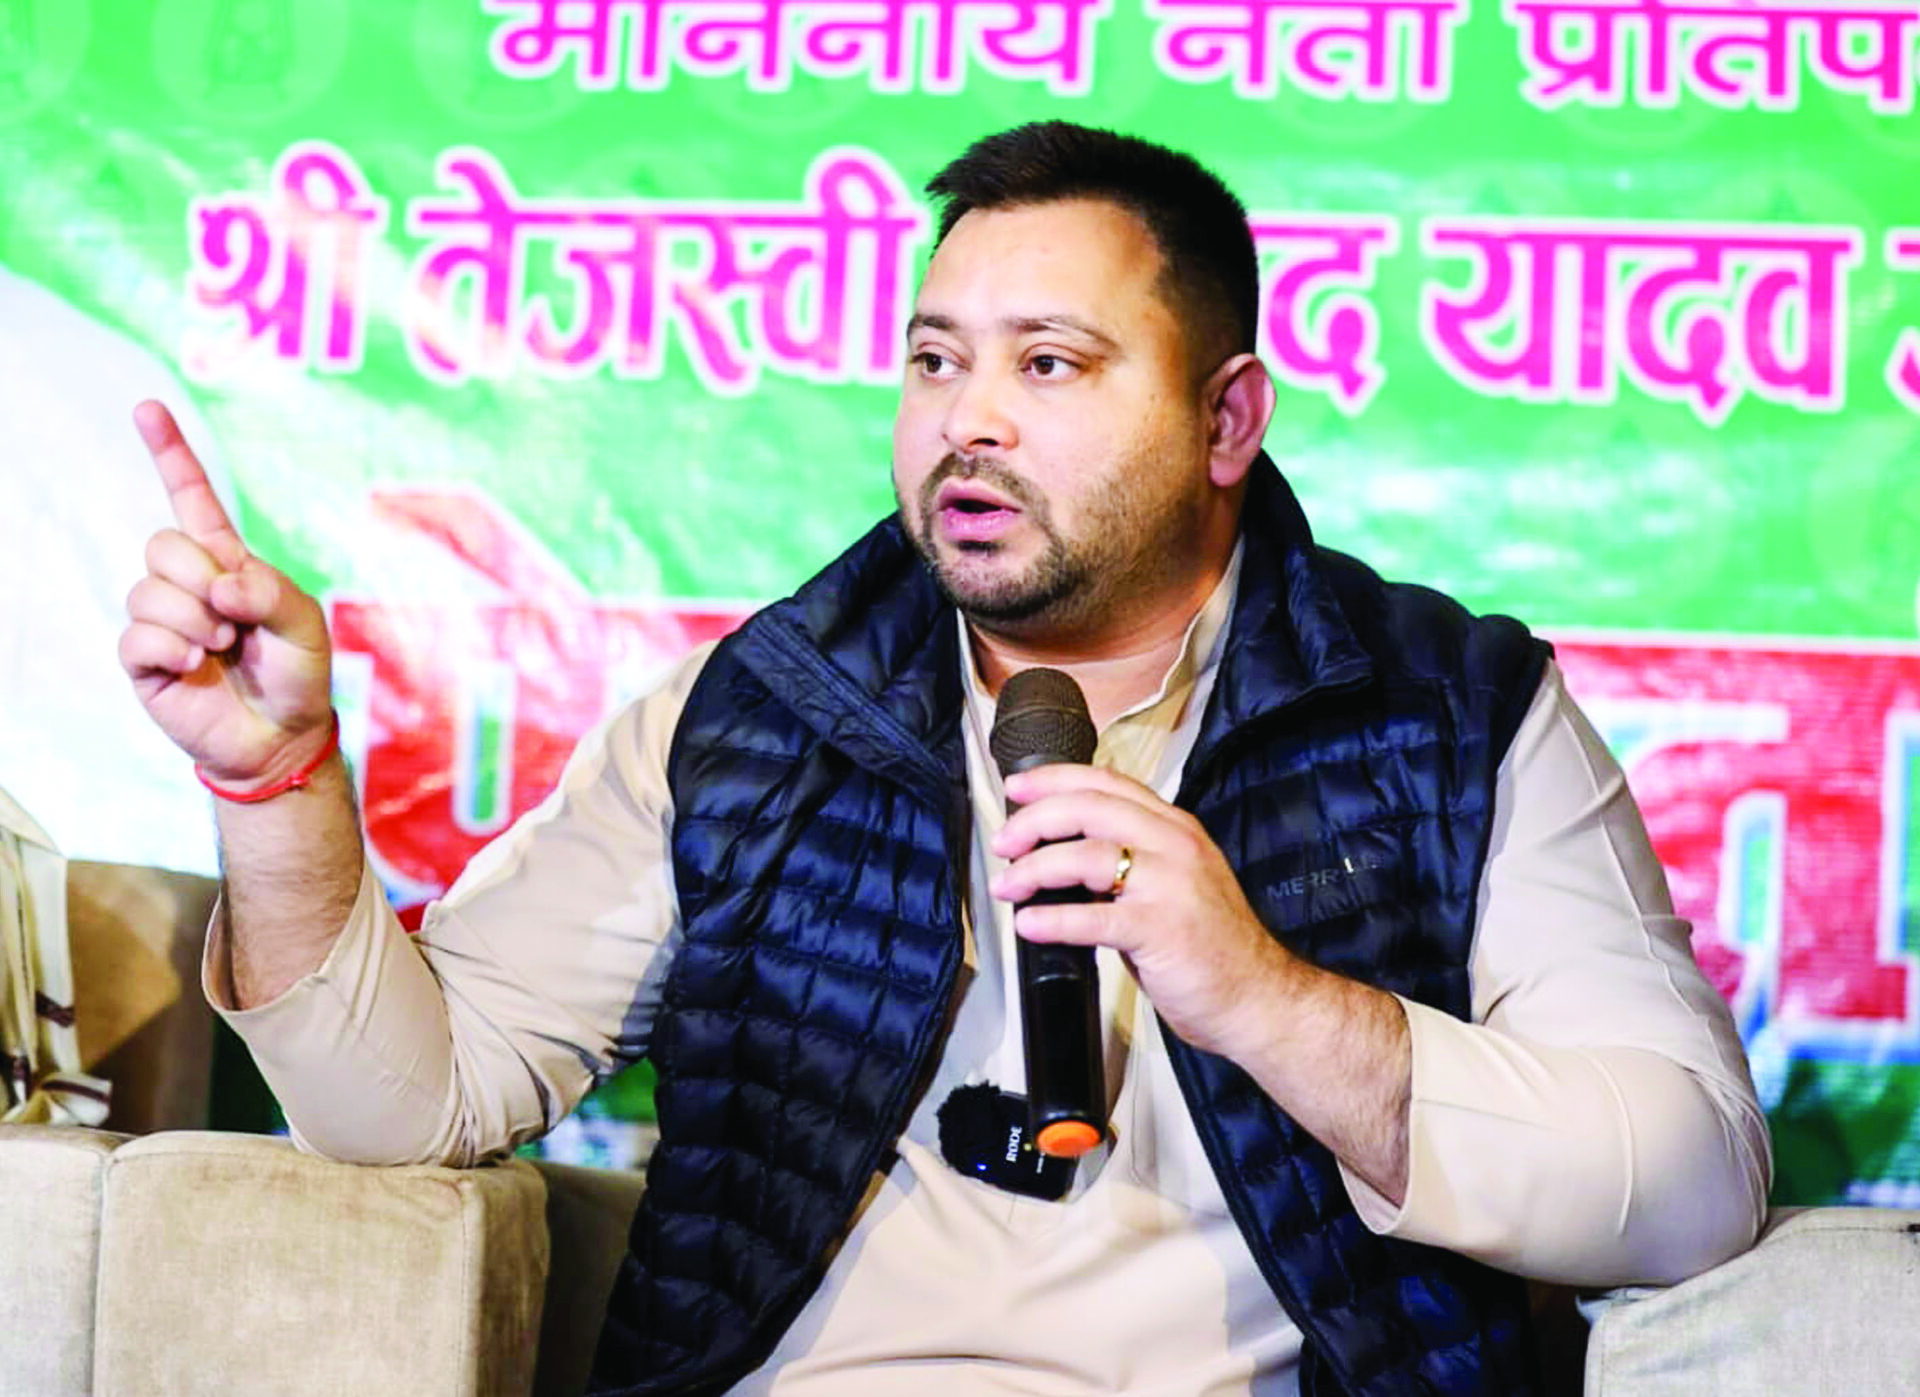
1211 274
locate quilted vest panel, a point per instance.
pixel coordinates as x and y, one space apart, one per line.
1357 818
1345 766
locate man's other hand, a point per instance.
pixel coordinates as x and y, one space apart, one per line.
1336 1054
1184 925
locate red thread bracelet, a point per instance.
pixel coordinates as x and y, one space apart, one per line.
286 783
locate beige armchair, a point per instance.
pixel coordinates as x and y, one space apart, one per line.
199 1264
157 1257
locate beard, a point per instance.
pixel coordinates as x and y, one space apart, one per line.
1008 598
1128 546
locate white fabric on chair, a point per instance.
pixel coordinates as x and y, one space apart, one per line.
50 1186
1823 1306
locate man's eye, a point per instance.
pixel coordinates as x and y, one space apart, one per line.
1048 366
930 361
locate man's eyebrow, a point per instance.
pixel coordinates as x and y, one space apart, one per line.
1072 324
1021 325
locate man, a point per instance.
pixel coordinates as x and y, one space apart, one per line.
1390 984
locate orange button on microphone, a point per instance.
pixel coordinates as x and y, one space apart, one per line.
1066 1139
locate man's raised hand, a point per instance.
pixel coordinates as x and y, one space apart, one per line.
226 654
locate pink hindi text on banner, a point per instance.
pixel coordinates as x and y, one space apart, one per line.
279 261
1375 50
1321 325
640 44
1903 369
1733 54
1558 311
819 284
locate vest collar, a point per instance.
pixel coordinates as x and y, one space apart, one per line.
867 651
1289 637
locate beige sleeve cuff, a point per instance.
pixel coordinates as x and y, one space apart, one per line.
357 1052
1530 1158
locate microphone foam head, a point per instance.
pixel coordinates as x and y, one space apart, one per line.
1041 718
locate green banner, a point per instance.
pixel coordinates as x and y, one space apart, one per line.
543 338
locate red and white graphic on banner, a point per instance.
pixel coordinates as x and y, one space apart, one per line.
459 714
1775 781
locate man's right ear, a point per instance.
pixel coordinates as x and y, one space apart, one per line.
1240 398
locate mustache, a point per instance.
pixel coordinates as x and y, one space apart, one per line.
954 466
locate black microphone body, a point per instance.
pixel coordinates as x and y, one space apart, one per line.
1042 718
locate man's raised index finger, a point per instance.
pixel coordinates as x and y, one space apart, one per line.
196 508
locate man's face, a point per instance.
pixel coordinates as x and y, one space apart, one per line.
1050 452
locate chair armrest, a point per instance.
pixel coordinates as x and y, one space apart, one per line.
233 1263
1812 1309
51 1178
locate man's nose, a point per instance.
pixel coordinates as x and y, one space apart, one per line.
979 414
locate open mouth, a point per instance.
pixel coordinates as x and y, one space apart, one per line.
968 513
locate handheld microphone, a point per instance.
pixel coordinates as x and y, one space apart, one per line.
1042 718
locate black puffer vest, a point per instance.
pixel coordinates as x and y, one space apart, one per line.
1345 766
